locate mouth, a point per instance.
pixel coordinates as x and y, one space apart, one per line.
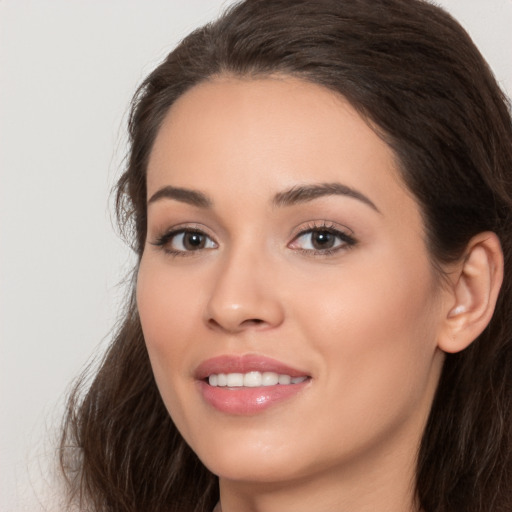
249 384
253 379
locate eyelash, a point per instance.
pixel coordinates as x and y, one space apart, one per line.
163 242
346 241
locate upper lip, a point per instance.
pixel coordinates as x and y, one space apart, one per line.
243 364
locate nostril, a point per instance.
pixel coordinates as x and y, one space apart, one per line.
252 321
236 326
213 323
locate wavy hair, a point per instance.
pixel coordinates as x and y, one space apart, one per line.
412 71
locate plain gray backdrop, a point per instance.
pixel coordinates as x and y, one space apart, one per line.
68 69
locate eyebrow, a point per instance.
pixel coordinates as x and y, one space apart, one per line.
184 195
305 193
295 195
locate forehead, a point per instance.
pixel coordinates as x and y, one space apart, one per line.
230 135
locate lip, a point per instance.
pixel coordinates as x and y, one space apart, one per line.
245 400
243 364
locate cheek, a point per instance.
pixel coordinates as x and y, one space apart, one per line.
376 332
167 314
168 305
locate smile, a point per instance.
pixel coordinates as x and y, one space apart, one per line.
248 384
253 379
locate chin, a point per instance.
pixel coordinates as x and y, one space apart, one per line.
256 470
250 458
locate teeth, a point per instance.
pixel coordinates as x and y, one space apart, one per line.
235 380
284 379
252 379
269 379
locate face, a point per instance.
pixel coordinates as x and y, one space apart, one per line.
286 295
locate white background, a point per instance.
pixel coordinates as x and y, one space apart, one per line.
68 69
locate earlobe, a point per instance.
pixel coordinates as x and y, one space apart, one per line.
475 289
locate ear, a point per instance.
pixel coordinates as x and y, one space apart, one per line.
474 288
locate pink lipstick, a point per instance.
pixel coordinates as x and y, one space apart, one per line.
245 385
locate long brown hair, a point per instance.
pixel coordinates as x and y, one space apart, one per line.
414 73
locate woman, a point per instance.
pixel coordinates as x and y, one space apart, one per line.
320 197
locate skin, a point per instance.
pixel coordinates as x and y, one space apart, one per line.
364 322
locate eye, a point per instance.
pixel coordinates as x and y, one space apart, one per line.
322 240
182 241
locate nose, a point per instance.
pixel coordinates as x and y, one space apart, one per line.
244 295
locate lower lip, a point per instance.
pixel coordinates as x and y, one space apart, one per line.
247 401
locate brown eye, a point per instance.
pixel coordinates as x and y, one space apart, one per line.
184 241
322 241
192 241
